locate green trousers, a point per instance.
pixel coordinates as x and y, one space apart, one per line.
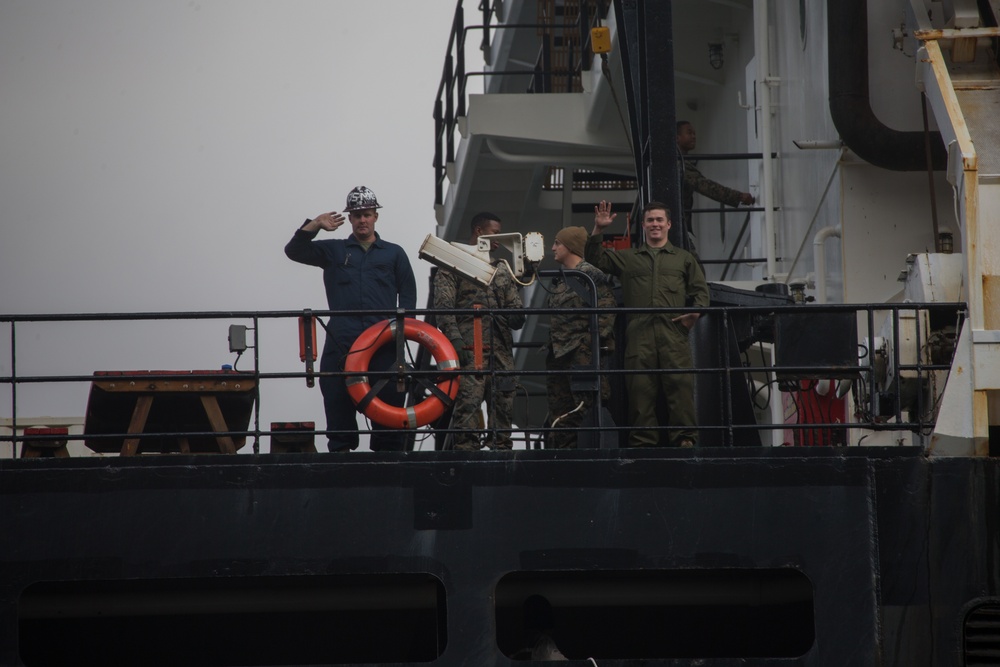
654 342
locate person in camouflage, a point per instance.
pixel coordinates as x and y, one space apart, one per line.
693 180
570 340
655 275
453 291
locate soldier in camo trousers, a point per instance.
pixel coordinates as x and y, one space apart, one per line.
570 340
694 181
454 291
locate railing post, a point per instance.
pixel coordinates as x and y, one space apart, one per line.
13 389
477 338
449 110
918 318
462 82
256 382
484 46
898 404
460 78
400 340
438 163
872 400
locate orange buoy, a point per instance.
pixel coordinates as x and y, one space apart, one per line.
360 389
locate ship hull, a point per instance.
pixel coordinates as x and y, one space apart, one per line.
810 556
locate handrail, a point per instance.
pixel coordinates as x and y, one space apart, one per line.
874 413
701 157
450 103
724 210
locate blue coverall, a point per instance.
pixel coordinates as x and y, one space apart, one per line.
379 279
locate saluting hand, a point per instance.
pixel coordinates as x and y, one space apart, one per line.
329 221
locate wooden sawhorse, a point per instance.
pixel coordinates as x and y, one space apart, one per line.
172 406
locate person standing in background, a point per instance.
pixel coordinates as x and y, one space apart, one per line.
693 180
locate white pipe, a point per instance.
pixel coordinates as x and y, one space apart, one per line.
763 83
812 221
777 409
819 259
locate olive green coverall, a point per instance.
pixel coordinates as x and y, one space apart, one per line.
656 278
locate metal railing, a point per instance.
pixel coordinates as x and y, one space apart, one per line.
450 103
892 378
722 210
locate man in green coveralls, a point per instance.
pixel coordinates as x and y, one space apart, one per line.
655 275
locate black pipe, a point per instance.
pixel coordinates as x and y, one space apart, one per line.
850 103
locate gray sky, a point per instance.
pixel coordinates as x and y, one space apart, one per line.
158 154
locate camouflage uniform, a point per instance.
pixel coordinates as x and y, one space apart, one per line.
570 347
695 182
454 291
656 278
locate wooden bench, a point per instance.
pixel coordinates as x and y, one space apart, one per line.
173 407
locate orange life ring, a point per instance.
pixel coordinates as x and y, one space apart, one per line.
421 414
